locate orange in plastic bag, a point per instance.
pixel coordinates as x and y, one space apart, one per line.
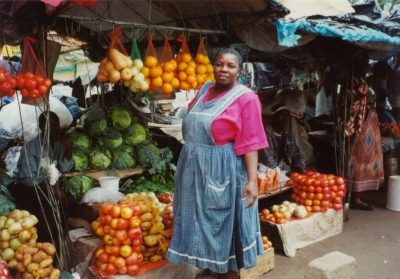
169 65
204 69
151 68
186 66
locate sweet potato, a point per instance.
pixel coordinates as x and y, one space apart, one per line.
27 275
20 267
31 267
48 248
39 256
31 250
45 263
18 257
27 259
43 272
55 274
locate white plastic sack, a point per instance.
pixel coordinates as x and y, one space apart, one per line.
52 172
10 119
11 160
101 195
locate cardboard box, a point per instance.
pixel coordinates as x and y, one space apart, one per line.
265 263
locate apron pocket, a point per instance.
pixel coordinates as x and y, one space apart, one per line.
218 195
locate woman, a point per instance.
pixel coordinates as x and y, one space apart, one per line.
216 223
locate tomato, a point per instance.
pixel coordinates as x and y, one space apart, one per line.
324 209
113 223
310 196
316 202
122 224
116 211
103 257
105 208
309 173
2 76
5 86
301 201
121 235
119 262
169 223
39 79
308 208
133 269
316 208
265 212
324 183
2 70
337 200
116 241
307 202
333 195
99 231
42 89
132 259
10 93
272 219
265 246
303 194
134 233
108 219
327 197
324 203
111 258
98 263
340 194
12 80
110 269
122 270
30 83
137 241
125 251
309 181
319 196
326 190
127 241
339 180
317 183
108 239
115 250
21 83
331 182
29 75
341 187
337 206
107 229
310 189
99 250
334 188
281 221
330 176
278 215
264 239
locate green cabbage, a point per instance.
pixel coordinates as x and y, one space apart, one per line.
79 138
96 128
138 135
122 160
121 117
78 185
99 159
125 148
80 159
111 143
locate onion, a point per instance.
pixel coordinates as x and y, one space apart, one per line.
286 203
8 254
32 241
12 264
28 222
3 220
5 235
5 245
282 209
137 63
15 228
127 83
133 88
144 86
16 214
138 77
9 222
275 208
26 213
15 243
287 215
34 218
135 71
24 236
143 194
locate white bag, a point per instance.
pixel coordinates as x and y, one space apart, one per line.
101 195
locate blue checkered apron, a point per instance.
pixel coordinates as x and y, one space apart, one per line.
209 184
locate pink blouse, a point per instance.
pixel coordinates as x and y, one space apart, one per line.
240 122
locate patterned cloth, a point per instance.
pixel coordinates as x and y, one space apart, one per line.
288 157
366 162
72 105
209 184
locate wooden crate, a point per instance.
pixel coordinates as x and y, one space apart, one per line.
88 212
265 263
271 231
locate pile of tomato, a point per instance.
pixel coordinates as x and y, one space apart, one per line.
30 85
318 192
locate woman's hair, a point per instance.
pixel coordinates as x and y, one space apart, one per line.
234 51
42 118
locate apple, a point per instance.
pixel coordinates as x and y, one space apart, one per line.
133 269
115 250
108 219
112 232
127 241
108 239
119 262
110 269
126 212
107 248
132 259
102 220
122 270
122 224
134 233
137 241
99 250
121 235
337 206
113 223
105 208
99 231
116 241
116 211
103 257
111 258
125 251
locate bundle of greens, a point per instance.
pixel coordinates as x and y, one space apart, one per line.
158 183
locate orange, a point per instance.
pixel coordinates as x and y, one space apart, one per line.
199 86
174 63
209 69
167 77
206 60
182 76
182 66
155 71
178 58
168 67
201 69
175 83
148 80
145 71
200 78
193 85
189 70
208 79
199 58
157 82
186 57
184 85
190 79
166 88
192 64
150 61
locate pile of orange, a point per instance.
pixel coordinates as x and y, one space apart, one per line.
204 69
170 82
152 72
186 71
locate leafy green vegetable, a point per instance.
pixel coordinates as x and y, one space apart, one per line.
156 160
122 160
5 179
6 201
110 143
79 185
125 148
81 160
135 135
96 128
160 183
79 138
100 159
121 117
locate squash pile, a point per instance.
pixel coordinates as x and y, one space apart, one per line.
115 68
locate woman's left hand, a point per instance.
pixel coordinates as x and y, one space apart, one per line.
250 190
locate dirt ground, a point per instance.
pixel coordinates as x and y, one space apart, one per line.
371 237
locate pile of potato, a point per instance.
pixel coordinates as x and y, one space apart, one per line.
34 261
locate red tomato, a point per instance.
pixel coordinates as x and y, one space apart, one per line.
340 194
34 93
310 196
334 188
122 224
29 75
121 235
132 259
42 89
317 183
309 181
265 212
119 262
105 208
30 83
110 269
116 211
115 250
10 93
21 83
315 208
5 86
337 200
169 223
339 180
310 189
337 206
47 82
324 183
341 187
39 79
309 173
103 257
24 92
12 80
2 76
331 182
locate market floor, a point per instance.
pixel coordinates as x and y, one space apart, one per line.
371 237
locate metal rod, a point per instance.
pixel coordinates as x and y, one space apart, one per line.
143 25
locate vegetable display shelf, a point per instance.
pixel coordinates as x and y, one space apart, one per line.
96 174
280 189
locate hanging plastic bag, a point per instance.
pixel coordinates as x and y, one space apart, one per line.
169 65
29 62
152 71
186 66
204 69
117 65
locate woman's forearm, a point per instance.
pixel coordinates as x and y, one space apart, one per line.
251 161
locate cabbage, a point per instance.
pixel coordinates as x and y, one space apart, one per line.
122 160
125 148
110 143
138 135
121 117
97 127
80 159
79 138
78 185
99 159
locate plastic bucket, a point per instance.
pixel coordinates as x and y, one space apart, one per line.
393 193
109 182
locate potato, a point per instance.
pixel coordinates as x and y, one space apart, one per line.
39 245
148 254
21 248
147 217
27 275
18 257
27 259
31 250
43 272
31 267
150 240
39 256
155 258
152 249
145 226
20 267
48 248
45 263
55 274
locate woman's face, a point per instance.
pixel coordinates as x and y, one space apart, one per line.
226 69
